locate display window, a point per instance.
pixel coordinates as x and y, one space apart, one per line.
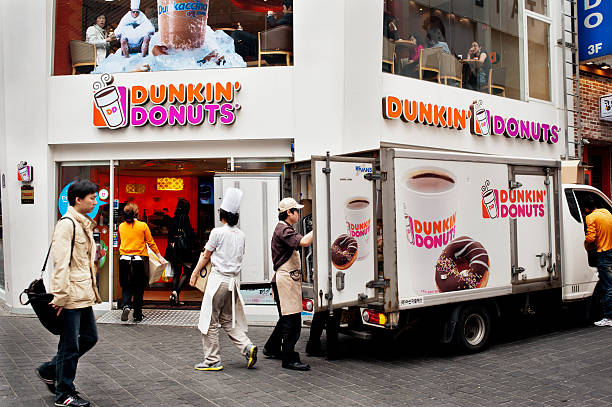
96 36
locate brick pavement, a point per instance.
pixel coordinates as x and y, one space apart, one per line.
152 366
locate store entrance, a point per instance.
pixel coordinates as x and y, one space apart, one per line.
156 187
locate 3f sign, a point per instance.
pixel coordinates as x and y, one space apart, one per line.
595 48
594 19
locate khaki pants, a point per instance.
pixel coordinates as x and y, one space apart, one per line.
222 314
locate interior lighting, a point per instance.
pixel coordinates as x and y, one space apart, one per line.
589 63
135 188
170 184
605 66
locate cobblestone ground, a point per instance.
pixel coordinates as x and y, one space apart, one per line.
528 365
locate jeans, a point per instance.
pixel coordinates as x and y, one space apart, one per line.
132 278
79 334
604 267
285 334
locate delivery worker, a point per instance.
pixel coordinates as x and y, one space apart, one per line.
599 236
287 285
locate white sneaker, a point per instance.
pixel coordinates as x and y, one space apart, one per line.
604 322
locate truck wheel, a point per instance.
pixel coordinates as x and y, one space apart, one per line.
473 328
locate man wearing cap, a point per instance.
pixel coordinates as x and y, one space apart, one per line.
134 31
222 302
287 285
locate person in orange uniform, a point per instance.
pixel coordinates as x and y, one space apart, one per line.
134 258
599 234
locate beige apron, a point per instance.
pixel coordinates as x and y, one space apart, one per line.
290 289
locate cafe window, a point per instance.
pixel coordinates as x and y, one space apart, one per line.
538 37
93 36
468 44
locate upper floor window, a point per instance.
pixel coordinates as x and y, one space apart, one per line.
469 44
94 36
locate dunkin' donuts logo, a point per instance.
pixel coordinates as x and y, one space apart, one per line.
515 203
159 105
430 234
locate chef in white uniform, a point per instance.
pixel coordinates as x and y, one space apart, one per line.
134 31
222 302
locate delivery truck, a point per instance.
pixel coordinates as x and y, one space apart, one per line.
457 239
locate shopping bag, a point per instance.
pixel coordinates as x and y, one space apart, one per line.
202 277
156 268
168 273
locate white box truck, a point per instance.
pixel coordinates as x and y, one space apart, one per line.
459 238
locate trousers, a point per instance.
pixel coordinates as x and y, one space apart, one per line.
285 335
604 268
133 279
222 314
79 334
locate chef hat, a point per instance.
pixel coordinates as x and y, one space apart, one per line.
135 5
231 200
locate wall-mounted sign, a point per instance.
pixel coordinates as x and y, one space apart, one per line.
24 172
605 108
160 105
27 194
62 203
481 121
594 29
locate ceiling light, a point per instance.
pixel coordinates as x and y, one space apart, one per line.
589 63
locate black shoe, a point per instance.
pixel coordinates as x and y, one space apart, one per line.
125 314
297 366
315 351
50 382
75 401
271 355
138 319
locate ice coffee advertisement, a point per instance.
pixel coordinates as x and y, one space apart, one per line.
444 243
351 246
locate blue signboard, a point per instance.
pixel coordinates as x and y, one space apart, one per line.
594 29
62 203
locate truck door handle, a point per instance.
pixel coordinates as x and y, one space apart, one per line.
543 259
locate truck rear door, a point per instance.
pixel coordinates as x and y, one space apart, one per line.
345 256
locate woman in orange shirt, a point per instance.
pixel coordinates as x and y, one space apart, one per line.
135 236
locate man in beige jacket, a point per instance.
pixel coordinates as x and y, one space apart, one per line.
73 285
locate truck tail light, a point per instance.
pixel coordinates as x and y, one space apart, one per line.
307 304
373 317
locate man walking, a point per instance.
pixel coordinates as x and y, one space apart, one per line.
73 285
287 285
599 234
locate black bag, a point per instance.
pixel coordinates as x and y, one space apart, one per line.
181 239
40 299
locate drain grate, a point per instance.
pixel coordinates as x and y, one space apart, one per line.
154 317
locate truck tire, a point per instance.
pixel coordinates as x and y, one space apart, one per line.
473 329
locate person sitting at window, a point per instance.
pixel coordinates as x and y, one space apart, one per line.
390 30
134 31
478 77
97 35
436 34
245 43
410 65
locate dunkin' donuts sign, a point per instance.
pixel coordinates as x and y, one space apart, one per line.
192 104
480 120
514 203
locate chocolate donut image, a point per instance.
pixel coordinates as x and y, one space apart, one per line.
463 264
344 252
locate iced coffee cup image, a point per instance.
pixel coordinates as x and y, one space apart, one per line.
428 198
358 216
109 104
182 23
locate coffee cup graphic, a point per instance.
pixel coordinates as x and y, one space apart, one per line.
182 23
482 118
490 200
108 102
428 198
358 216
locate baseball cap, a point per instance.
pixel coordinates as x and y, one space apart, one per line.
288 203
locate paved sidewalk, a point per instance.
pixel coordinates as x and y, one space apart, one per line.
136 365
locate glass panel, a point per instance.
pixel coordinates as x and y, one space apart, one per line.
468 44
537 6
539 69
100 174
94 35
2 281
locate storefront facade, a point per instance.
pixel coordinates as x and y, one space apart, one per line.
251 120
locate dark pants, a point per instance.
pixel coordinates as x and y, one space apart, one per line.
604 267
133 280
285 334
322 320
182 274
79 334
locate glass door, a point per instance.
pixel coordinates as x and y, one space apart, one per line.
99 173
